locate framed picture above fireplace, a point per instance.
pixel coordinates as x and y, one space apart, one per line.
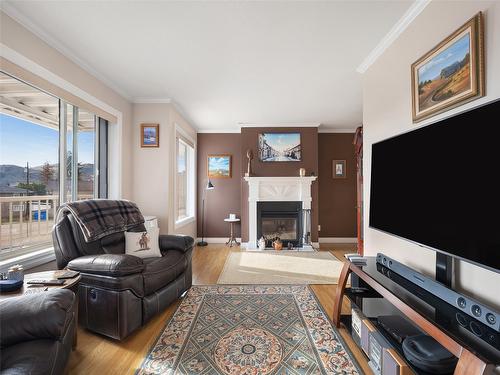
280 147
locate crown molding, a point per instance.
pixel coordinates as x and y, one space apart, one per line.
34 28
147 100
220 131
333 130
413 11
279 125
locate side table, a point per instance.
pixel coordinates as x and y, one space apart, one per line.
232 238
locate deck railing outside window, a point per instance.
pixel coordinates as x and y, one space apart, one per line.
26 223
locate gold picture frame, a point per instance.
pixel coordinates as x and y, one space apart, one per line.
150 135
451 74
219 166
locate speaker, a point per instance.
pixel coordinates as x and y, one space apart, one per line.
377 344
467 305
356 321
394 364
366 327
445 313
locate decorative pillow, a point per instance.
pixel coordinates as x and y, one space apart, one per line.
143 244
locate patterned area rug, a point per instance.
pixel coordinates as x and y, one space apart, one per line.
249 329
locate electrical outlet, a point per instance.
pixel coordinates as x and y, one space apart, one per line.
319 228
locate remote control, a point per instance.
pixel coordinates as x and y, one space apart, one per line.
68 275
46 282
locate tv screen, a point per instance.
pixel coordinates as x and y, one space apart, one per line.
439 186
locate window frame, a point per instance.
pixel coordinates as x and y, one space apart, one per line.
182 136
38 249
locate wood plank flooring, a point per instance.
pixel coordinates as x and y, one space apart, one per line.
97 354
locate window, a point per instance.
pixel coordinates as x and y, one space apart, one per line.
47 146
184 180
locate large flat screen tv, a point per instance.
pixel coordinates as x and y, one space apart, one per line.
439 186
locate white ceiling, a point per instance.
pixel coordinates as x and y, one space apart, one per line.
225 63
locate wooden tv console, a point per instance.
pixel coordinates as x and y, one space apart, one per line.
476 355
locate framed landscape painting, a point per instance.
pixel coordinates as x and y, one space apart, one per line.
450 74
219 166
279 147
150 135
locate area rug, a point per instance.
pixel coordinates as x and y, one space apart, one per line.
249 330
281 267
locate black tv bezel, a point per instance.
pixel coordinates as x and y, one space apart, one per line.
481 265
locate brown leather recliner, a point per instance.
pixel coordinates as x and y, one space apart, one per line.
118 292
37 332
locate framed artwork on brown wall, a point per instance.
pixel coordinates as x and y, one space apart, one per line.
452 73
150 135
219 166
339 169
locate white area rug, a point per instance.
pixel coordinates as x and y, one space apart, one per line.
281 267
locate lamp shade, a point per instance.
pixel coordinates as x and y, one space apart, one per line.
210 186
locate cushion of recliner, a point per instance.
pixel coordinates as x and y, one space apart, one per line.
31 357
158 272
108 264
37 316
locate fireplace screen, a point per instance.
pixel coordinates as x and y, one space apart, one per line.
285 229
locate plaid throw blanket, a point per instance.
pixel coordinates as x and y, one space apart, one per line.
98 218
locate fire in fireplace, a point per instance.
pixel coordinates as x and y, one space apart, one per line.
280 219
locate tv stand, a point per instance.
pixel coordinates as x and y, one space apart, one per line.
476 354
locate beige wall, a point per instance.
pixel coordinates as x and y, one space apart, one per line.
153 169
387 111
18 38
147 175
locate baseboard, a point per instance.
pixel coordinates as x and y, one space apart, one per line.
216 239
338 240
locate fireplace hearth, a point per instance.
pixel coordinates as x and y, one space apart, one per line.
280 219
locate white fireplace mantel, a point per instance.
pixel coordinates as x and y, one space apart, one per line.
275 189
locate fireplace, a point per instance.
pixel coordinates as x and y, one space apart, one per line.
280 219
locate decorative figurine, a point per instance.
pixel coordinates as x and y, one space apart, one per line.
277 244
262 243
249 165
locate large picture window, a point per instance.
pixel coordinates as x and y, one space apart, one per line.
185 180
47 146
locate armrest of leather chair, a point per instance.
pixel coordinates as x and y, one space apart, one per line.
44 315
176 242
108 264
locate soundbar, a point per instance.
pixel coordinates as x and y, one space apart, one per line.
469 306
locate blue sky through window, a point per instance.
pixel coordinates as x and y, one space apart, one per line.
23 141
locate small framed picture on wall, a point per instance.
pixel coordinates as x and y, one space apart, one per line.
219 166
339 169
150 135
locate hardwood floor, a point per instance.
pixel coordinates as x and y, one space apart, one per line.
96 354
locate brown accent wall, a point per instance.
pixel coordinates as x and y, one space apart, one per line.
226 197
337 212
309 141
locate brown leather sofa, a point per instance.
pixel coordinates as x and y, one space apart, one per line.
37 332
118 292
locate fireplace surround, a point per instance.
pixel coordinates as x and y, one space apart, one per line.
278 189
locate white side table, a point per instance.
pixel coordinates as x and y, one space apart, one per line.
232 238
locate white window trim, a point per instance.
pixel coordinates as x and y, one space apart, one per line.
181 134
29 260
